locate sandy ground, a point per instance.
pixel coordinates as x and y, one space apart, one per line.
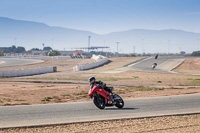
18 93
190 65
68 86
172 124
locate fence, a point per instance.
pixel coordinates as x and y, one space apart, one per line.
27 71
100 60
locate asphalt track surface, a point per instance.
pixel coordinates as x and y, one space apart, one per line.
16 62
45 114
164 64
32 115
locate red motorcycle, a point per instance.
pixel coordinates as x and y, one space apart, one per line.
102 98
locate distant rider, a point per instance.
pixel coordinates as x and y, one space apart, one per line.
156 57
154 65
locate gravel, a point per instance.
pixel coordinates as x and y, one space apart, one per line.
173 124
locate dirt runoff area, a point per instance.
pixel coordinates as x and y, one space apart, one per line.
19 93
173 124
68 86
190 65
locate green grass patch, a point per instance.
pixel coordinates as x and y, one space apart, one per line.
134 62
50 85
46 86
135 77
182 84
57 79
148 89
194 83
66 95
193 79
176 88
134 89
41 86
7 99
19 100
121 91
82 94
47 99
116 79
110 79
57 98
159 81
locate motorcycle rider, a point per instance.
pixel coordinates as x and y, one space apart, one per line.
154 65
156 57
93 82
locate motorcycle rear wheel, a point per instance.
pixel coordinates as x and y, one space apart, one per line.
99 101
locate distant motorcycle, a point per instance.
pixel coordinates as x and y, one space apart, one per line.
156 57
154 65
102 98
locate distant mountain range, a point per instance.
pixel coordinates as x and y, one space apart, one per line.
33 34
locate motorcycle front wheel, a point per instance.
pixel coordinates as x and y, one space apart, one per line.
99 101
120 101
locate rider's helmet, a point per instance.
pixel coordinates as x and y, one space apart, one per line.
91 80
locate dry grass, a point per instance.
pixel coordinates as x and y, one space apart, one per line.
129 84
20 93
57 86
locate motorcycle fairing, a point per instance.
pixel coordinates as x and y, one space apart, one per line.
100 91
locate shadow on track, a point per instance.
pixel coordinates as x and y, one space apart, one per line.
121 108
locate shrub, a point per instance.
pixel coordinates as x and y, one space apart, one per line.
53 53
195 53
1 53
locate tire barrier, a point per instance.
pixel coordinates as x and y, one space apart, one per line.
100 60
77 57
27 71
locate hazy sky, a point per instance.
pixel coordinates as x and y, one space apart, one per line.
105 16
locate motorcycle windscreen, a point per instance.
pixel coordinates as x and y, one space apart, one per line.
92 91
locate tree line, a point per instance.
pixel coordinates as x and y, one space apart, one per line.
196 53
51 52
12 49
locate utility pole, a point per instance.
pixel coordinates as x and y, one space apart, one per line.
117 47
168 46
143 50
179 50
43 46
15 41
89 43
52 42
133 49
